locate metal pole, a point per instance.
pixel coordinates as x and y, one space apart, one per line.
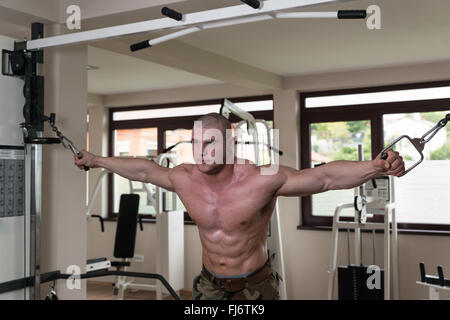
35 216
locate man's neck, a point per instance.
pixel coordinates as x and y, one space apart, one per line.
223 176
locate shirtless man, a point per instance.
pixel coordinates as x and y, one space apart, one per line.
232 204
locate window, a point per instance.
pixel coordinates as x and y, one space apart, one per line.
337 141
421 194
134 143
147 131
333 123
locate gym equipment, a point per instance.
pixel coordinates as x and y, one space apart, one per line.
66 142
274 243
163 159
418 143
250 11
123 248
435 284
26 65
97 264
57 275
172 14
226 20
372 198
237 142
168 225
255 4
22 140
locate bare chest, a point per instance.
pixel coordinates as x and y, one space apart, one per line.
231 208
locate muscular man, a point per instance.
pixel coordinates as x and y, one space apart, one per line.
232 202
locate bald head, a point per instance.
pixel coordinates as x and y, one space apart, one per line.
215 120
212 143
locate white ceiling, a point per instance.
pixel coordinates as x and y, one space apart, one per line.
413 31
120 73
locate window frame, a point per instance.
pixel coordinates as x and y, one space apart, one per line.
374 113
164 124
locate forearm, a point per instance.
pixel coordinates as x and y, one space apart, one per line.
344 174
132 169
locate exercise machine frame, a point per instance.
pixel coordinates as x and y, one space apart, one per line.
357 225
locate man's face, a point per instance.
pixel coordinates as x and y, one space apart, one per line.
208 148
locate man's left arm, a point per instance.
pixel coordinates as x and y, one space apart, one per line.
337 175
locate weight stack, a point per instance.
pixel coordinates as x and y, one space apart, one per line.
352 283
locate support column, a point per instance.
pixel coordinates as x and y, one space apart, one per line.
286 115
64 185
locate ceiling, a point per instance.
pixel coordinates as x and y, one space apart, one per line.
121 74
413 31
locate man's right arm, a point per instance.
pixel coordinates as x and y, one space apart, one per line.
142 170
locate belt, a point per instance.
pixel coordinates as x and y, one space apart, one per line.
238 284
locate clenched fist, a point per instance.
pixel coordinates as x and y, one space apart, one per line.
88 160
393 165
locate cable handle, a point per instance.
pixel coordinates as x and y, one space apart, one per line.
80 156
67 143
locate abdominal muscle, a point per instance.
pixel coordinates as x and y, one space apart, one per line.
233 253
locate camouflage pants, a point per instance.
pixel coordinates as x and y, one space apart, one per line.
267 289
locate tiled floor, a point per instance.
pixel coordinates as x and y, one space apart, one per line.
104 291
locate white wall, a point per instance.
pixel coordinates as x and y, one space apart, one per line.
306 251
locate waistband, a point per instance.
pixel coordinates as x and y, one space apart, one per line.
238 282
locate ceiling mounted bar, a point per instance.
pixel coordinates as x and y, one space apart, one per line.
189 20
255 4
178 34
175 15
342 14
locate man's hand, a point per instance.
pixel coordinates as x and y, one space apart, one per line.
393 165
88 160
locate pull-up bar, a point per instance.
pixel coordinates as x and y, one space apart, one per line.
341 14
244 13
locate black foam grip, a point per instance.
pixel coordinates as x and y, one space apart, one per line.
140 45
441 276
127 219
422 272
175 15
255 4
352 14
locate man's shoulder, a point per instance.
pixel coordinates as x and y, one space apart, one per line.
182 170
264 173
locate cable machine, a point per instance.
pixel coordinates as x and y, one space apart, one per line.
375 197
